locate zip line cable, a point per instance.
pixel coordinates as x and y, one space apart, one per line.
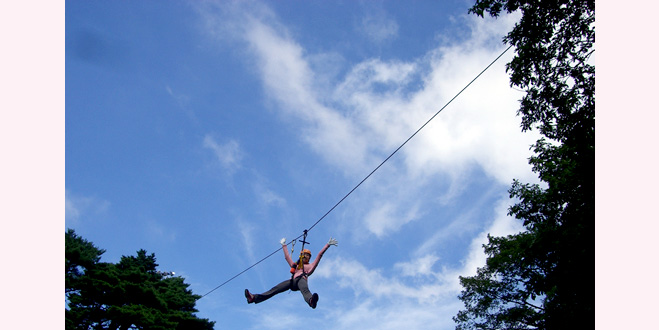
369 175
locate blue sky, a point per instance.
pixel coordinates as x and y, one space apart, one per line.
204 132
234 157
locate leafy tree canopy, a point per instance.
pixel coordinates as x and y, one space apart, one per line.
543 278
130 294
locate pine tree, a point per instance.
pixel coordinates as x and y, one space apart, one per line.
131 294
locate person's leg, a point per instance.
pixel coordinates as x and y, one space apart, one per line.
311 299
279 288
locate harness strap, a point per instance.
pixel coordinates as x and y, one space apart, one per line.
300 264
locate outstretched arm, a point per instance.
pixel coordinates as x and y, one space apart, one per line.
320 255
286 254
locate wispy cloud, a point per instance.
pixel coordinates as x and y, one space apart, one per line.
389 298
77 207
373 108
378 27
412 294
358 119
502 225
228 154
386 217
183 101
287 78
417 267
401 314
269 197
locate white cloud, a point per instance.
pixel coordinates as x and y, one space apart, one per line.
228 154
356 122
181 99
280 321
269 197
78 206
401 314
411 294
479 127
246 233
72 210
385 217
502 225
378 27
368 282
288 79
374 109
285 72
417 267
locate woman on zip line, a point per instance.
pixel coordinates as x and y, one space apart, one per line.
298 282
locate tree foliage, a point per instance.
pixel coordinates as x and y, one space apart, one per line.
130 294
543 278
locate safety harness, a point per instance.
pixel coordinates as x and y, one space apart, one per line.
300 263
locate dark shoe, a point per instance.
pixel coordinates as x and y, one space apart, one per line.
314 300
249 296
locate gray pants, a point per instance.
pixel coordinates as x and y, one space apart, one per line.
299 283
